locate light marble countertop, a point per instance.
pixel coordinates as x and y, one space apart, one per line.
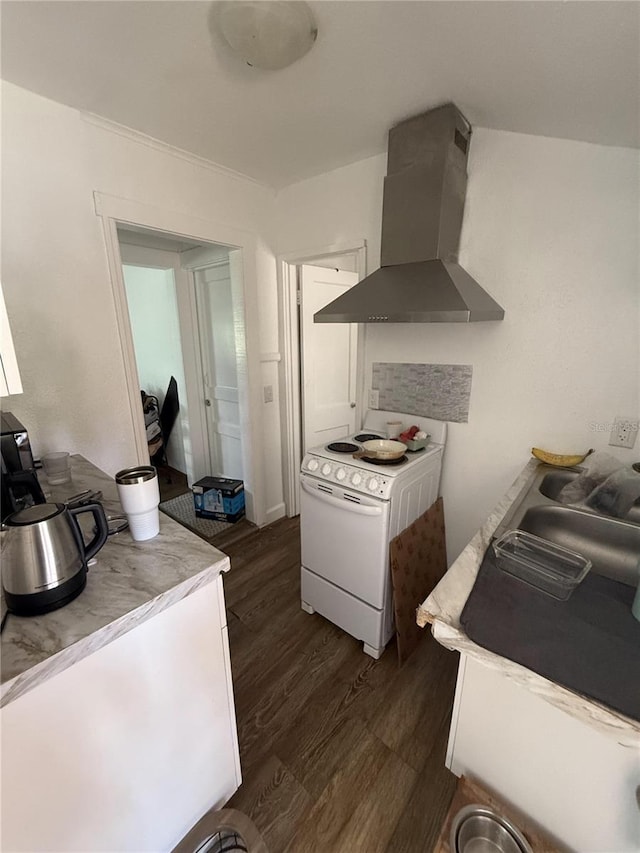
129 583
443 608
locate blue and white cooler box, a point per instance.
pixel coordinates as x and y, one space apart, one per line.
219 498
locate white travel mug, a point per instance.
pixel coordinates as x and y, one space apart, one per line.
140 495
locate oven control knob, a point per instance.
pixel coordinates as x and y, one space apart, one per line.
372 485
341 474
326 469
356 479
312 465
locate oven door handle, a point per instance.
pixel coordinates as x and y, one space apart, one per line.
348 505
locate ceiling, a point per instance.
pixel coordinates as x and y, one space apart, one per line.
561 69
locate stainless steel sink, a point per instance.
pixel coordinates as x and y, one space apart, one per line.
552 484
612 545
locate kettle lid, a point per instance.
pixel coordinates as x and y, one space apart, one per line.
34 514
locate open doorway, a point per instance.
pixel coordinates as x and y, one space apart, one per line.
242 246
187 331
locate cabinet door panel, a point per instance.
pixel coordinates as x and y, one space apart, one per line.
126 749
573 781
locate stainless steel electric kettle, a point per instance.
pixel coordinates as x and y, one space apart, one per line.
44 556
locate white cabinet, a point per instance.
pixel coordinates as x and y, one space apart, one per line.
576 783
10 382
125 750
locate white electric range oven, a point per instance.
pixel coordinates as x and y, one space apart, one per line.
350 509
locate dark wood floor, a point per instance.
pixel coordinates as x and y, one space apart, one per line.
340 753
172 482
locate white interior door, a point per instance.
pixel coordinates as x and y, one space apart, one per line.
215 309
328 356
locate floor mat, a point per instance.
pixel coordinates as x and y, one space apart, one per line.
182 510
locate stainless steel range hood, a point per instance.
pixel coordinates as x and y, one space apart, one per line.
420 280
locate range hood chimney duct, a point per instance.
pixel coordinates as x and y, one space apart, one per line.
420 280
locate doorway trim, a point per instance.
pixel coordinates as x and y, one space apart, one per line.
288 323
113 210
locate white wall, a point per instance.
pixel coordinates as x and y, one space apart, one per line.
153 311
551 230
338 208
56 279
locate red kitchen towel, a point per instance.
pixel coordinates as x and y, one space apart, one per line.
418 559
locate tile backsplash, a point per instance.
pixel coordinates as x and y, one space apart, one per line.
439 391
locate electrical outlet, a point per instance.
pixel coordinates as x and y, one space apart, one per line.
624 432
374 398
268 393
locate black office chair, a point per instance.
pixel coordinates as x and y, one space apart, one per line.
168 417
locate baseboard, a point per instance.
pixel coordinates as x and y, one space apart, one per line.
274 513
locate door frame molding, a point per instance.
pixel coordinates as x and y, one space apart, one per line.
113 210
289 374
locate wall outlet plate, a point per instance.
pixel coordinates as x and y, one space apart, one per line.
374 398
624 432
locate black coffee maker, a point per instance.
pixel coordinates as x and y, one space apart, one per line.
18 481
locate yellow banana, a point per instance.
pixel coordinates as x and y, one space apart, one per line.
560 460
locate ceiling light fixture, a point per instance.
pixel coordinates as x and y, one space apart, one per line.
269 34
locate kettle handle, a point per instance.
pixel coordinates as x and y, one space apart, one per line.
102 531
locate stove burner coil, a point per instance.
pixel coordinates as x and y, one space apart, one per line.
342 447
365 436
